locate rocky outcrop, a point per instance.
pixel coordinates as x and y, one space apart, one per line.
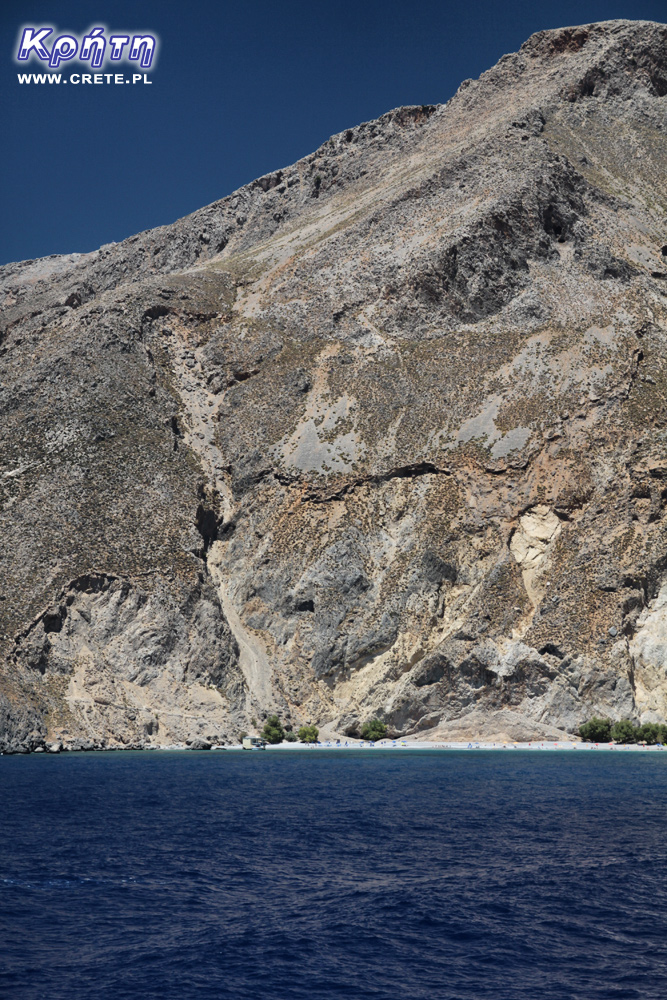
380 434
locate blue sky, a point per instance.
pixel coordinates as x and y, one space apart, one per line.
239 89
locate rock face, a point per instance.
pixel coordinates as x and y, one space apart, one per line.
380 434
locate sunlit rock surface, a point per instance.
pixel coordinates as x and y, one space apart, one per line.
380 434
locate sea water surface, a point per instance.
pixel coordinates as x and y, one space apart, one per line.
327 875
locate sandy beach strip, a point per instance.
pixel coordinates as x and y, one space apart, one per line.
470 745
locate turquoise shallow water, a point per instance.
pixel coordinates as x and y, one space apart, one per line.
330 876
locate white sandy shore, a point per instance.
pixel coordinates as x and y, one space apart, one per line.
410 744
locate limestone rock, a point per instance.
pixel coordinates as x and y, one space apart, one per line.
380 434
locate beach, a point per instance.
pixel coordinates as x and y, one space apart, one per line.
414 744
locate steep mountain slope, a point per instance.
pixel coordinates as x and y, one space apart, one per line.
382 433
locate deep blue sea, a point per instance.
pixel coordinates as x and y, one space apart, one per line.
327 875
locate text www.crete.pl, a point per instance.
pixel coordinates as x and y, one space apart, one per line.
93 78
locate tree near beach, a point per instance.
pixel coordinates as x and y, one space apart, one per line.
596 730
308 734
273 731
623 732
374 730
651 732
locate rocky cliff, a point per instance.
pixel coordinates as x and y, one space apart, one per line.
379 434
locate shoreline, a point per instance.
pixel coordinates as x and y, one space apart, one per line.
349 745
535 745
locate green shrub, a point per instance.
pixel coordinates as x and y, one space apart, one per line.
596 730
375 730
650 732
291 737
273 731
624 732
308 734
